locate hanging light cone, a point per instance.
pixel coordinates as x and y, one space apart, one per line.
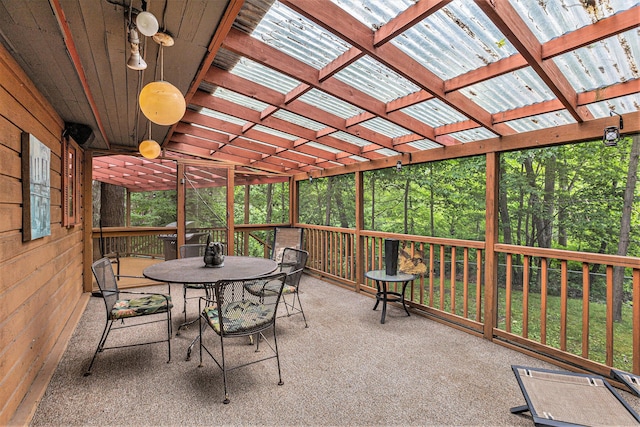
149 149
147 23
136 62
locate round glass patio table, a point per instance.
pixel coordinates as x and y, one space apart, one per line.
383 280
193 272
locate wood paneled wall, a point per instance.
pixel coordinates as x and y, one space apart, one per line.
40 280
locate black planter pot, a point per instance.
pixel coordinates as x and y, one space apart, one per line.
391 256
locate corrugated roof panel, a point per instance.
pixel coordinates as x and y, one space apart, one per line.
330 103
239 99
621 105
358 158
541 121
222 116
609 61
258 73
424 144
275 132
509 91
375 79
550 19
477 134
374 13
350 138
387 152
455 40
434 113
298 37
385 127
298 120
323 147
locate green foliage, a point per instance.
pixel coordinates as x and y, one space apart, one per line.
153 208
259 210
328 201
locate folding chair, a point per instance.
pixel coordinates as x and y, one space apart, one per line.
630 380
558 398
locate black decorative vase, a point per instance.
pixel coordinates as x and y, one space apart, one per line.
391 256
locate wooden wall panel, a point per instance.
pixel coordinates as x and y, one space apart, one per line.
42 279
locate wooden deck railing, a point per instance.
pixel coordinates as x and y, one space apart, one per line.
552 304
546 306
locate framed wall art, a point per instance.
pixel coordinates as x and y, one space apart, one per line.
36 188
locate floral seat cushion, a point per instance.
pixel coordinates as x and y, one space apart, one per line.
140 306
239 316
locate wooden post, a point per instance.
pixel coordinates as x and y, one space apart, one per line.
491 238
358 232
181 210
87 221
230 209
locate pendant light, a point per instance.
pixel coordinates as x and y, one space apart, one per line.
160 101
149 148
147 23
135 61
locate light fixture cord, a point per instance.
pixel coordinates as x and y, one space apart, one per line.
162 62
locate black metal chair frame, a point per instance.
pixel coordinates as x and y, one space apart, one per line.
285 237
294 272
190 250
630 380
103 272
215 296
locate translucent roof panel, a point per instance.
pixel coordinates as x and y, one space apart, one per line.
298 37
557 118
385 127
477 134
375 79
550 19
609 61
298 120
424 144
323 147
330 103
374 13
274 132
509 91
222 116
237 98
434 113
387 152
258 73
621 105
455 40
351 138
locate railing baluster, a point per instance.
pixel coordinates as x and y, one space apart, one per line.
465 283
525 296
543 300
563 305
585 310
453 280
508 294
609 325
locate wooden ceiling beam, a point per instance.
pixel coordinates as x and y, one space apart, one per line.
407 19
509 22
342 24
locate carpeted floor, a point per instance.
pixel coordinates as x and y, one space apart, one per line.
345 369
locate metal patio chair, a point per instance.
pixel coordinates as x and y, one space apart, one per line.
292 263
119 309
231 312
285 237
190 250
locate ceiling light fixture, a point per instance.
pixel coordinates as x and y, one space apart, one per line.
147 23
612 133
135 61
149 148
160 101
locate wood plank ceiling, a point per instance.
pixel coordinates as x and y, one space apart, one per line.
310 87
